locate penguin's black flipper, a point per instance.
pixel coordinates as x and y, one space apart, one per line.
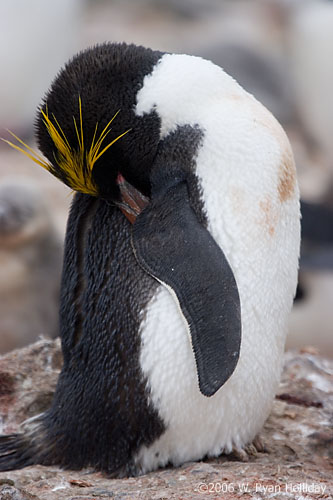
173 246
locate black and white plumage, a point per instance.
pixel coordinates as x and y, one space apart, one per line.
172 322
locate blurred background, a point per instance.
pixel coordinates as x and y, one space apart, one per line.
281 51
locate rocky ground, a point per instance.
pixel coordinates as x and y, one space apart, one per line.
298 436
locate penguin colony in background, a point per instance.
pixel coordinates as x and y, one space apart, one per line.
30 266
180 263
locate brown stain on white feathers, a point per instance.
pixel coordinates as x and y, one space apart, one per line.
269 206
270 217
287 176
286 170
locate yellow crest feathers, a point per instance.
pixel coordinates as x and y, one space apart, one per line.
75 164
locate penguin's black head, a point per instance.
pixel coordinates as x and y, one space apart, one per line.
87 127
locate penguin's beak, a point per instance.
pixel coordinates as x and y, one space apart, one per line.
132 201
172 245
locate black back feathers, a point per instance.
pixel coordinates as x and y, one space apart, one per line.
100 414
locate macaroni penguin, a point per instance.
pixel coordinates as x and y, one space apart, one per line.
180 262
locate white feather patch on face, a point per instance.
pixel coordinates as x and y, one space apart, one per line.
247 175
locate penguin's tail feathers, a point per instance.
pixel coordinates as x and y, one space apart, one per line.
15 452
